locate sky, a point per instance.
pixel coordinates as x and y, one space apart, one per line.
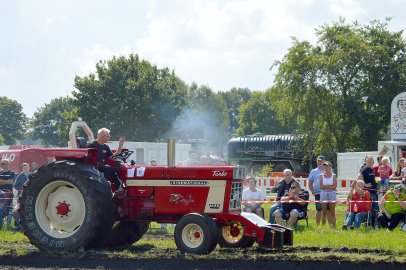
223 44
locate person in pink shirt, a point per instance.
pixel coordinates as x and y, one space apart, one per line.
385 172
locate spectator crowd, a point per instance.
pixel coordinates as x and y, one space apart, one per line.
11 186
363 203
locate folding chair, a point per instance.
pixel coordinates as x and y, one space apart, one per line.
304 194
367 220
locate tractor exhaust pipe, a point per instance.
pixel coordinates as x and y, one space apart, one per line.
171 152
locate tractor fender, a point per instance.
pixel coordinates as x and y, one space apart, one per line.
90 170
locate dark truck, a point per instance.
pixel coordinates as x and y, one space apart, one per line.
282 151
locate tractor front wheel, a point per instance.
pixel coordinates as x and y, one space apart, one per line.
196 233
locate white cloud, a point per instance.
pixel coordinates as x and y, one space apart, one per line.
220 35
350 9
222 44
5 72
88 57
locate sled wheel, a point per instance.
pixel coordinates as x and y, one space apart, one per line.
232 235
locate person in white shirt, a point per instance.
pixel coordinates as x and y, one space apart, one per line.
252 198
328 195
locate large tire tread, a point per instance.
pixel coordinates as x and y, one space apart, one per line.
98 203
214 231
124 233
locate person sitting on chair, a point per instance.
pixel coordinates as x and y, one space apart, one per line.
252 198
293 207
359 205
103 152
393 205
282 188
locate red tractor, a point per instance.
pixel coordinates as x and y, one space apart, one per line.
68 205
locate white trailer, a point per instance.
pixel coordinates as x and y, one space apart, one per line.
392 149
145 151
349 163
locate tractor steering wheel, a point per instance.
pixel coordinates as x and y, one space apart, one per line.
123 155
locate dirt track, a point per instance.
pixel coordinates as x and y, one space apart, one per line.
285 259
36 262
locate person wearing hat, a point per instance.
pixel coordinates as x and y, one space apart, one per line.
393 205
328 196
314 185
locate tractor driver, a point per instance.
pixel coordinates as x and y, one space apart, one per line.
103 152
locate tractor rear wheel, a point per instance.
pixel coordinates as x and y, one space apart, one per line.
232 235
196 233
125 233
66 206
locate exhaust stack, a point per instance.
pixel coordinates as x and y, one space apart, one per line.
171 153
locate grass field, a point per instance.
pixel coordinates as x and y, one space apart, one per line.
310 243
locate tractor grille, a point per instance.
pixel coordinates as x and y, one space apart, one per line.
236 195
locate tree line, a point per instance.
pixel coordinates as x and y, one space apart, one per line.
335 94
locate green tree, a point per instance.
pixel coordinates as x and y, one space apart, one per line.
234 99
51 124
257 115
131 97
1 139
13 122
339 92
266 170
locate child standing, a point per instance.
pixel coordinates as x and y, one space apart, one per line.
385 171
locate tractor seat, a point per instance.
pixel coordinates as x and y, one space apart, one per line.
81 142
